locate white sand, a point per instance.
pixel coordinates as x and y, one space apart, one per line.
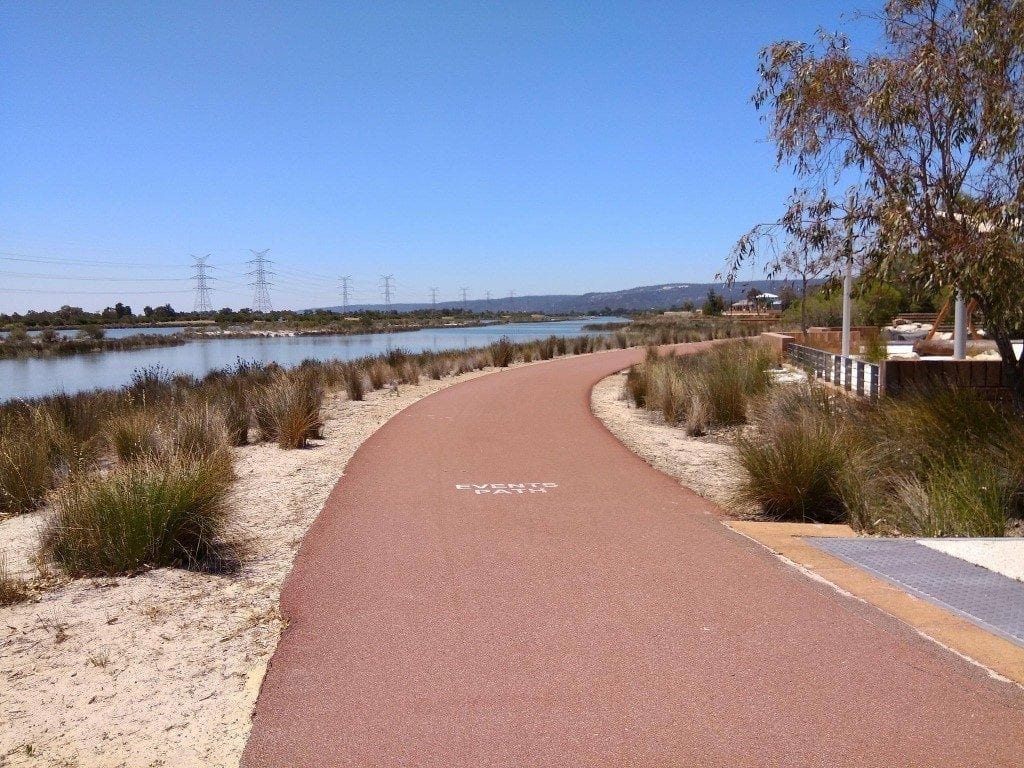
163 669
707 465
1005 556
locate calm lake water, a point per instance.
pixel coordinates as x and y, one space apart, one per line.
35 377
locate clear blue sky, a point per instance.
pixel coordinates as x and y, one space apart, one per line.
541 147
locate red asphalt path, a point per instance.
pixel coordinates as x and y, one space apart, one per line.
611 621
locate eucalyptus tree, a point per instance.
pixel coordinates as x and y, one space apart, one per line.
815 238
931 127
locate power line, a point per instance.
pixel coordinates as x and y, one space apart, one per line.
261 284
387 284
344 292
203 280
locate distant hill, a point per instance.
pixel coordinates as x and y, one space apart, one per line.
663 296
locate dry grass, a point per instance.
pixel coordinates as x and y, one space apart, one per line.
702 390
26 466
12 589
797 460
288 410
503 353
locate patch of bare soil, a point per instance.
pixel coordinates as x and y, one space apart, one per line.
706 465
163 669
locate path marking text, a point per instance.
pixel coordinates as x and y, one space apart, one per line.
509 488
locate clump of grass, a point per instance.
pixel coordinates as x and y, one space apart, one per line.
288 410
147 513
962 498
409 372
437 367
199 430
502 352
940 463
355 386
12 589
702 390
378 373
27 462
135 434
795 466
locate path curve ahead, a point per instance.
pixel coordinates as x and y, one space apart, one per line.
611 621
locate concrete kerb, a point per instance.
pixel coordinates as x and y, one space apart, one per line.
787 541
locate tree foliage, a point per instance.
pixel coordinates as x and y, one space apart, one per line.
931 129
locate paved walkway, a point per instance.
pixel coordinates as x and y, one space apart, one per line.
604 619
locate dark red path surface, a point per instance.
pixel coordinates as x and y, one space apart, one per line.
611 621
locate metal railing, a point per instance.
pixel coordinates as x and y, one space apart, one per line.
853 375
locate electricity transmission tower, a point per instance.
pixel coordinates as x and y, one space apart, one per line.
463 290
260 273
344 292
512 300
203 280
387 284
433 297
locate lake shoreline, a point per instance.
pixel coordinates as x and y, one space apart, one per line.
35 376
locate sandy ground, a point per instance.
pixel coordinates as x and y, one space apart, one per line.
1005 556
703 464
163 669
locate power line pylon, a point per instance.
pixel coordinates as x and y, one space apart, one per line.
512 300
203 283
464 290
433 297
344 292
387 284
261 274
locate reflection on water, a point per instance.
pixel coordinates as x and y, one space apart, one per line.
34 377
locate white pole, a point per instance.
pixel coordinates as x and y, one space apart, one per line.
847 304
959 328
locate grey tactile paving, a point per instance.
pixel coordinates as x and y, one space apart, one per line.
984 597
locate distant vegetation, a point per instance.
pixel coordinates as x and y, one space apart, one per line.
121 315
92 339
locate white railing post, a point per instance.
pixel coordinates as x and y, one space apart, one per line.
959 328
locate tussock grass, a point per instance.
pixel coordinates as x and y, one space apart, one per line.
135 435
410 372
146 513
30 451
355 385
940 463
378 372
796 463
503 352
288 410
702 390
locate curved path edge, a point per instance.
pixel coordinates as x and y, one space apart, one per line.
592 614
